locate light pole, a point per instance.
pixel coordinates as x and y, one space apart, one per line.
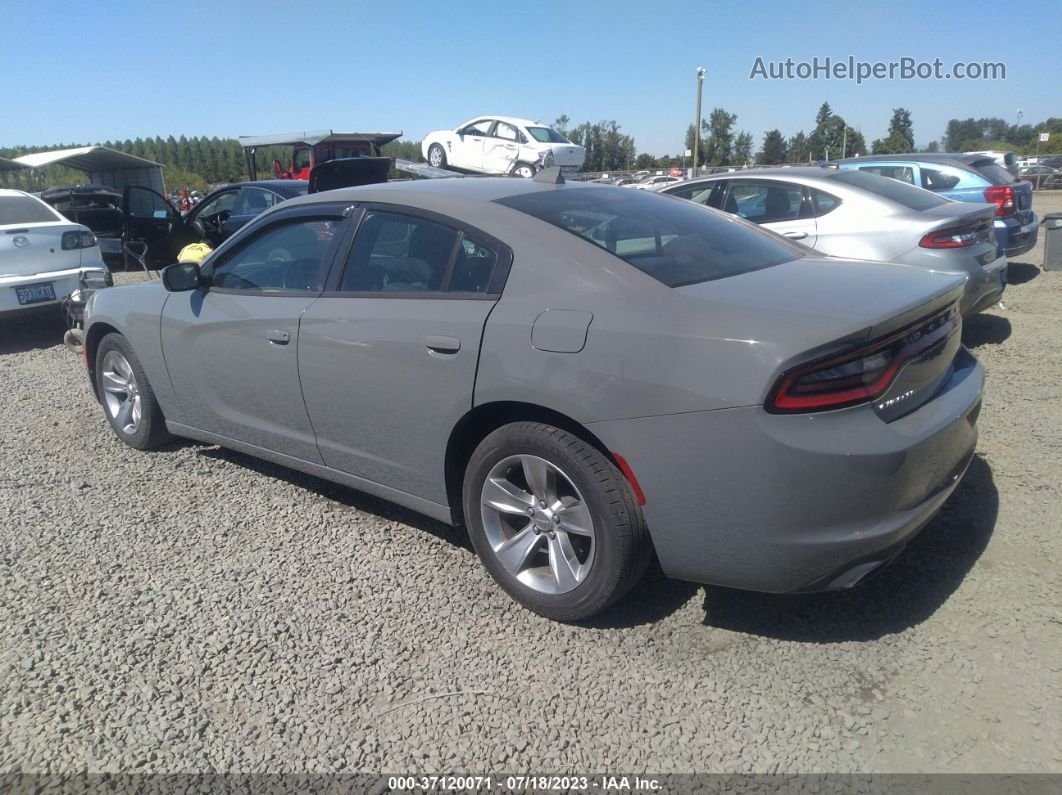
701 72
844 141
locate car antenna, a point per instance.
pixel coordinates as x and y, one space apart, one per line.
550 176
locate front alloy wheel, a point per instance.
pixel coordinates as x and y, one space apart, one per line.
121 394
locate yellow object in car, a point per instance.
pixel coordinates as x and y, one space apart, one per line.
194 252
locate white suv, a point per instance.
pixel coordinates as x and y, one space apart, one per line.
501 145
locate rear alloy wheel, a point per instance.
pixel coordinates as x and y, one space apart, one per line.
126 395
553 520
436 156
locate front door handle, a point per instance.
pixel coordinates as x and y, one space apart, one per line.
278 337
442 344
796 235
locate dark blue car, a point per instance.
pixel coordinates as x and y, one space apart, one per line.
966 178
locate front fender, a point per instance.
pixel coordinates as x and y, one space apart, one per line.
135 312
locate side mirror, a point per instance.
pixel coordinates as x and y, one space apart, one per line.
181 277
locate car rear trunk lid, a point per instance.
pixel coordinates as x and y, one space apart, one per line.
35 248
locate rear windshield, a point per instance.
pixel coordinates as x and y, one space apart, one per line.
994 173
671 240
547 136
25 210
908 195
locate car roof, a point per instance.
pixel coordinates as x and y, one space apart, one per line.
788 172
443 195
288 187
925 157
516 120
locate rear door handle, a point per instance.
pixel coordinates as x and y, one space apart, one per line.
442 344
796 235
278 337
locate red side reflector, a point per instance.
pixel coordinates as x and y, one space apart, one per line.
625 468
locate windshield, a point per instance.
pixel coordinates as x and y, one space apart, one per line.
547 136
25 210
900 192
673 241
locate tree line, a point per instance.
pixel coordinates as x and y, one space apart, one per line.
201 162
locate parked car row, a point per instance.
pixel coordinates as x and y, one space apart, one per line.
581 375
858 215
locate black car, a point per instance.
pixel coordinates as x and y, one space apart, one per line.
97 207
152 221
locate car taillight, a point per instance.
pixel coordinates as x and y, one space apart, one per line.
861 375
72 240
1003 197
957 237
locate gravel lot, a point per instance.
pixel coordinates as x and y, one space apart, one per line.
192 609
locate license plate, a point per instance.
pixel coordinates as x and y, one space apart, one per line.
35 293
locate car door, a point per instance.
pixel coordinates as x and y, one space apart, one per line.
467 151
779 206
151 223
231 347
388 354
213 213
501 148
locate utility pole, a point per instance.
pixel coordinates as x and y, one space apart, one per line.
844 142
701 72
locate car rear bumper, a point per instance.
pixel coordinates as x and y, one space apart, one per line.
1015 239
781 503
63 283
985 288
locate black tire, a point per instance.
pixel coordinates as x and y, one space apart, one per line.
436 153
523 170
620 544
149 429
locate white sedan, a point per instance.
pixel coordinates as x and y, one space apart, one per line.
43 256
501 145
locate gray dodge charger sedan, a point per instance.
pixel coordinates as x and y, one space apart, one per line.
579 374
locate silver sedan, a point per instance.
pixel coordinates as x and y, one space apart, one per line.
579 374
864 216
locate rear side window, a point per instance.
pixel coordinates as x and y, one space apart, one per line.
901 173
405 254
765 202
938 180
907 195
823 202
26 210
674 242
995 173
694 193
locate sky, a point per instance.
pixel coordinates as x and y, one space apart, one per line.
87 72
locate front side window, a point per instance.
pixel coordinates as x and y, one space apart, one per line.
481 127
674 242
253 201
289 256
219 204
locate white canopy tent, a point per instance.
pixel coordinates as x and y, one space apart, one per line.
11 174
103 166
